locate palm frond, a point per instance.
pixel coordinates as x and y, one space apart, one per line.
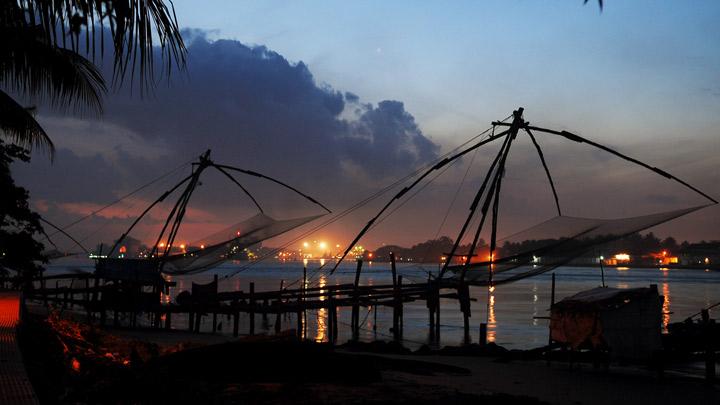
32 67
19 126
600 3
134 27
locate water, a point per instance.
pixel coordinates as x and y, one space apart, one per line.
510 314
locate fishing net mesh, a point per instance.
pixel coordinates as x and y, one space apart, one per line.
229 243
551 244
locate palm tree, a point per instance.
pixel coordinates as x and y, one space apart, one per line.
41 55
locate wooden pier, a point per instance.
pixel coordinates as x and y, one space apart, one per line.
101 299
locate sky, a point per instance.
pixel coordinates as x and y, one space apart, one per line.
342 99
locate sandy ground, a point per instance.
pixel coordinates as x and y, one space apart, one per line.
556 383
559 384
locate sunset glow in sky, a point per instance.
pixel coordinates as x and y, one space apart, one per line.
342 98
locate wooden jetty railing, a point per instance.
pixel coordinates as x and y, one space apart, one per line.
119 297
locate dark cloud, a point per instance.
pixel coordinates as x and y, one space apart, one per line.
389 137
351 97
254 109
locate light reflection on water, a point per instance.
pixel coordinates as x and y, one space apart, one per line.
491 319
322 315
665 306
509 310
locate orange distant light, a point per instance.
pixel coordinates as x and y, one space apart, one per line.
622 257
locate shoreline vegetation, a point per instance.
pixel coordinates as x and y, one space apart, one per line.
72 362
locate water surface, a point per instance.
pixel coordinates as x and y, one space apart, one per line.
510 310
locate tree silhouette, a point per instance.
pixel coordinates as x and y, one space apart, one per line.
41 55
19 251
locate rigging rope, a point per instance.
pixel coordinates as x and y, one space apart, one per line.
137 190
362 203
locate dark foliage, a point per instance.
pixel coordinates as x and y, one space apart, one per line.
20 253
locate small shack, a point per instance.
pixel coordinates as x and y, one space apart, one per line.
625 322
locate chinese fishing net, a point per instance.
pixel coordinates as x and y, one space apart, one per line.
551 244
229 243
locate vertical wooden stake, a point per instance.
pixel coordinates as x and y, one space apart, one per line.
278 320
329 324
552 302
304 299
437 312
399 304
236 318
355 321
430 304
300 320
709 349
198 319
392 268
252 309
464 298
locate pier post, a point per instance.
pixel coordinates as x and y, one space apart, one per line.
464 298
198 318
252 309
399 304
709 347
483 334
86 298
392 268
437 311
168 319
374 309
215 303
278 316
430 304
552 302
236 318
191 320
304 299
300 320
328 323
87 291
42 286
332 318
355 320
265 305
